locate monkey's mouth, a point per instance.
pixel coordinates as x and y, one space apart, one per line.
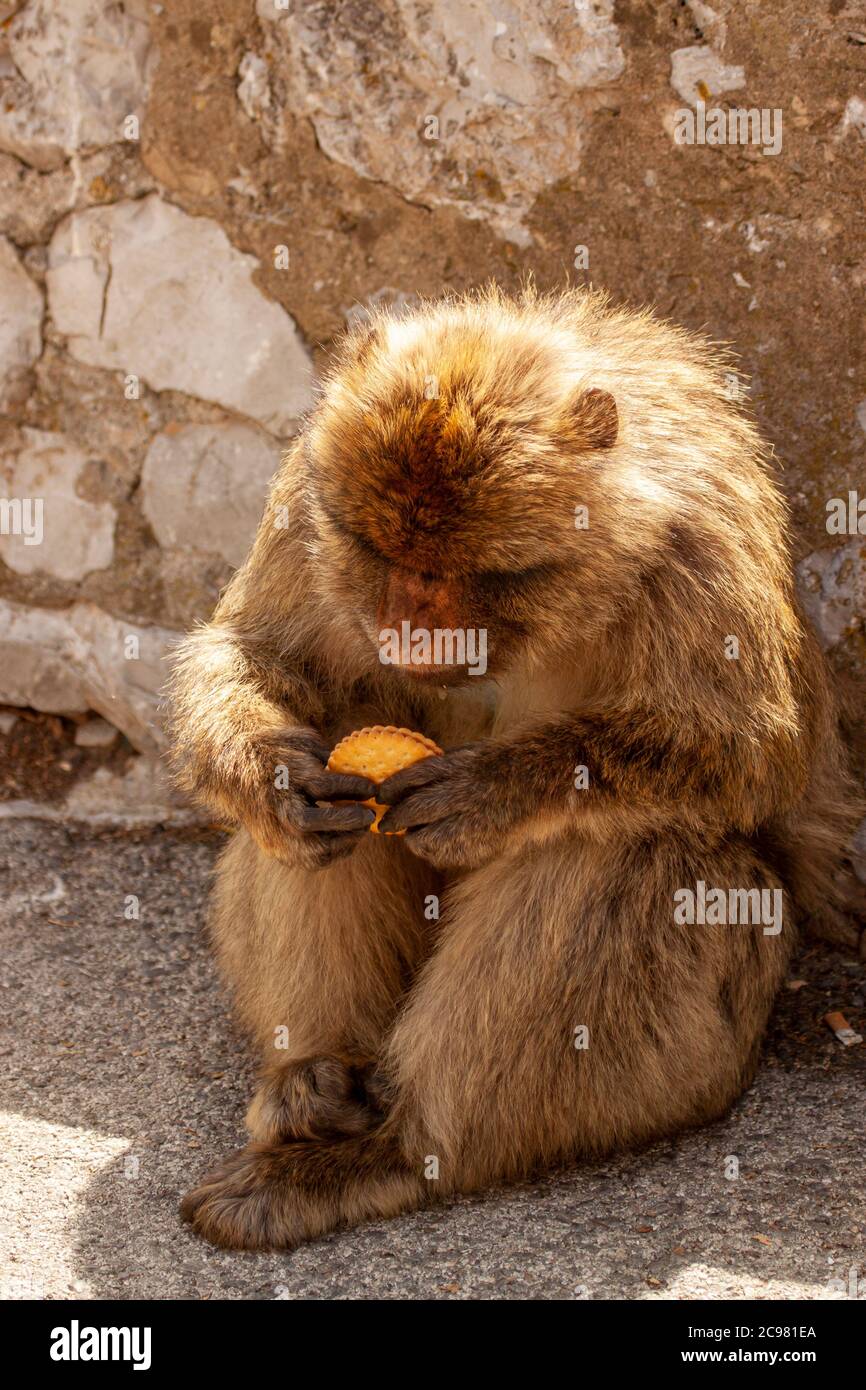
435 654
434 675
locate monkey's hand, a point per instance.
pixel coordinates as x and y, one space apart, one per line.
454 809
278 804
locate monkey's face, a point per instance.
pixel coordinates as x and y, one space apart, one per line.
450 628
445 521
442 626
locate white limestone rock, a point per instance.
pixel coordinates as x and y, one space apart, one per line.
78 69
832 586
140 796
143 288
474 106
203 487
96 733
254 93
77 659
74 536
697 68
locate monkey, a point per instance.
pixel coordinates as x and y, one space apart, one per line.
507 985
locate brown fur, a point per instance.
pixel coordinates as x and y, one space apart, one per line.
410 1039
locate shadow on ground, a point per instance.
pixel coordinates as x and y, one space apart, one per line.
123 1080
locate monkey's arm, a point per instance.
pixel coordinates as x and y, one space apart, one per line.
459 810
242 745
245 694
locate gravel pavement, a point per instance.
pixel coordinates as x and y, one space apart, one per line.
123 1080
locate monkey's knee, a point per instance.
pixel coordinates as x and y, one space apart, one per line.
316 1098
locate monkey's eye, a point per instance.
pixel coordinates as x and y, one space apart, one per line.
517 578
360 542
366 546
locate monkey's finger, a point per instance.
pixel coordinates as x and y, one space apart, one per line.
441 844
332 786
301 740
418 775
423 807
329 847
354 817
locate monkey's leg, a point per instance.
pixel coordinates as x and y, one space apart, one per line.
563 1012
318 961
567 1011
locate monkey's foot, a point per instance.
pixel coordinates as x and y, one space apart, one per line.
316 1098
273 1197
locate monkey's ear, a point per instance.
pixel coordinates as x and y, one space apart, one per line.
594 421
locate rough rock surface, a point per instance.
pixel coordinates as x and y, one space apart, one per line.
141 796
698 74
473 105
76 72
296 165
21 309
142 288
77 535
203 487
95 733
832 585
81 658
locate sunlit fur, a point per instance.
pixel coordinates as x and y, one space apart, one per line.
456 442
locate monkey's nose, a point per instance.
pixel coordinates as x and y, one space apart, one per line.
422 602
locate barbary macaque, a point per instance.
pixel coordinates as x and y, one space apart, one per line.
514 982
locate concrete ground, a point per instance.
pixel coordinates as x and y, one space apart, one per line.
122 1080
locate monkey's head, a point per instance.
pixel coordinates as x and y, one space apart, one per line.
446 460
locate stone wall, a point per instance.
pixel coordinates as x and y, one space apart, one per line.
195 199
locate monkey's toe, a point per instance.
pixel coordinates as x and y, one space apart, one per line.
273 1196
236 1206
317 1098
